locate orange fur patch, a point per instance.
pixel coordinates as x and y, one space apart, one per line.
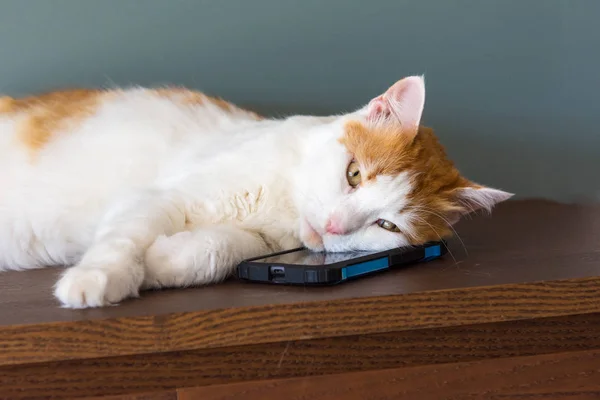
44 115
183 95
6 104
48 113
192 97
387 150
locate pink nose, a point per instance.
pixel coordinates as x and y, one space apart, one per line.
334 227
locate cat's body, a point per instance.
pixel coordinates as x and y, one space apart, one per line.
137 140
151 188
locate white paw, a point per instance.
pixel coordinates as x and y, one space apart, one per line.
187 258
168 250
169 261
82 287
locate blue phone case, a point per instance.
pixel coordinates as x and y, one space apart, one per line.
261 269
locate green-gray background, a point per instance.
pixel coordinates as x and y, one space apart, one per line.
513 85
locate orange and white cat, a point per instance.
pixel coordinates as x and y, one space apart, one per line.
148 188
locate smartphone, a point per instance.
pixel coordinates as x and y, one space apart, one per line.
304 267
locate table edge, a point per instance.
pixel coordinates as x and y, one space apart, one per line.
71 340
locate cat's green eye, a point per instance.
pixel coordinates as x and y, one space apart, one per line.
353 174
387 225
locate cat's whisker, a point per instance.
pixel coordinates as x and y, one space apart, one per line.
436 232
446 221
473 211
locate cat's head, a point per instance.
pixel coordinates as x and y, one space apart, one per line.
375 179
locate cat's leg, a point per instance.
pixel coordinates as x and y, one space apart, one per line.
112 268
202 256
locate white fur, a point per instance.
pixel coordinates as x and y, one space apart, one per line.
149 193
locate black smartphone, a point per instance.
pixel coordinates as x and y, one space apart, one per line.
304 267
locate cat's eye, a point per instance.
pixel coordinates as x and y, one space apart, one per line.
387 225
353 174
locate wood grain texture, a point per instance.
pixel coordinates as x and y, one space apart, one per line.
561 376
518 267
297 321
167 395
158 372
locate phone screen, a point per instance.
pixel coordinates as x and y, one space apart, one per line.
307 257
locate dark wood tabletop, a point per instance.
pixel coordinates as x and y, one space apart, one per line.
530 260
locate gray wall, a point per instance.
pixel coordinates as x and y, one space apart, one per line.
513 85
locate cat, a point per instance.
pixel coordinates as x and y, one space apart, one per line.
148 188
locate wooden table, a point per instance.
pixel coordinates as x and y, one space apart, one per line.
518 317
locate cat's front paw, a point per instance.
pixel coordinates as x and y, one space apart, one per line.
200 257
83 287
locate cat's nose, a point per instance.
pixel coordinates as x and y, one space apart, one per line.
334 227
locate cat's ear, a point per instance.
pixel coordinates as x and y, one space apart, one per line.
402 103
475 197
472 198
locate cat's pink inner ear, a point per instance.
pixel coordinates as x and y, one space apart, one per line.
378 108
404 101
